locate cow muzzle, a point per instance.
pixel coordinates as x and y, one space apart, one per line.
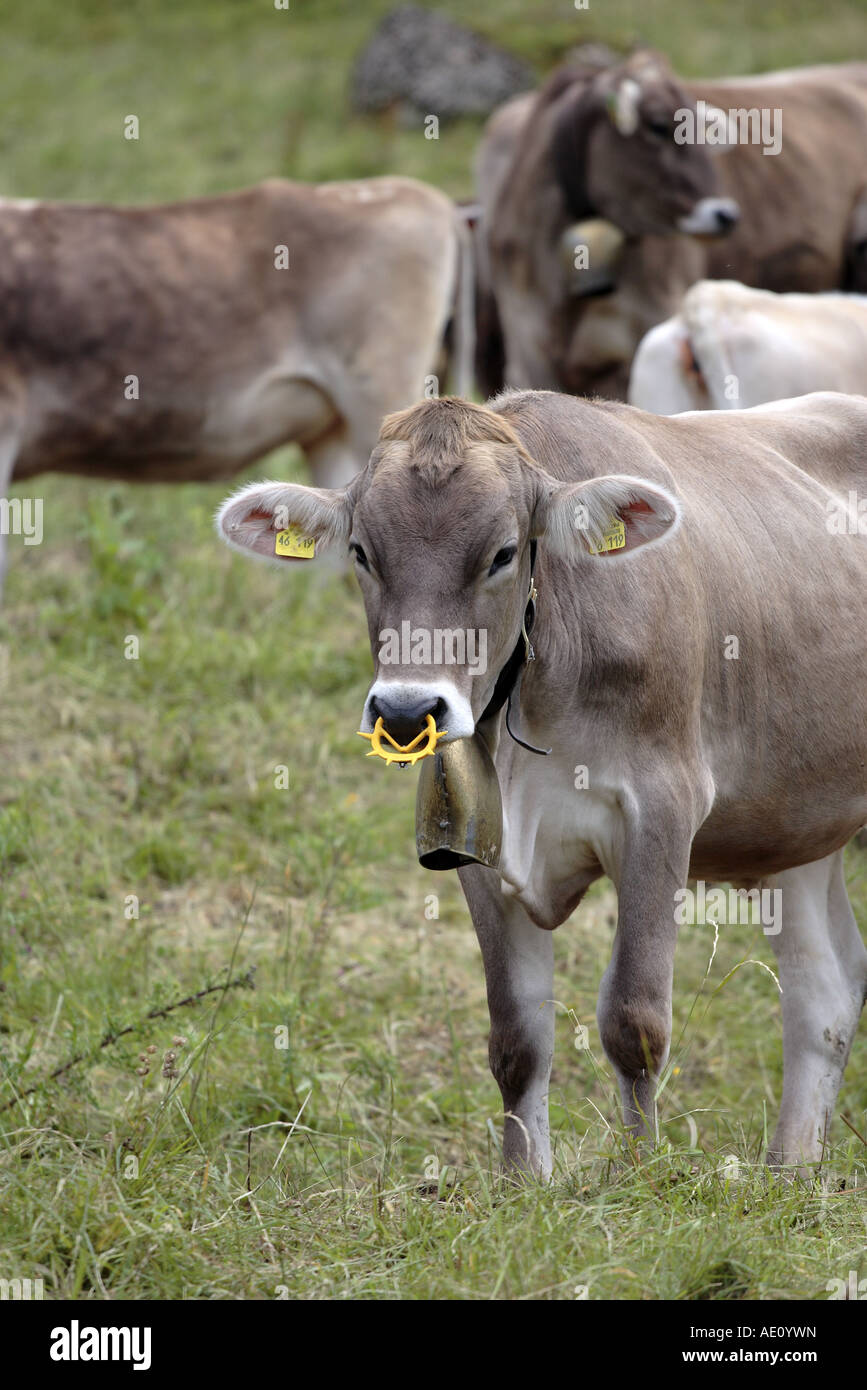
711 217
403 721
401 709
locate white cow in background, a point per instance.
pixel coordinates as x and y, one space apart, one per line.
731 347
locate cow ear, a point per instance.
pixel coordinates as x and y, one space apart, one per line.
284 521
610 516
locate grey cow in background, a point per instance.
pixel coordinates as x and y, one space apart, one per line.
599 143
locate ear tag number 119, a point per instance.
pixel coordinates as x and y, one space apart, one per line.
294 543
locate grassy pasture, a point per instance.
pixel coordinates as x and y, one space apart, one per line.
331 1133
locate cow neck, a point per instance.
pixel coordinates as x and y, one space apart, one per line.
523 652
569 150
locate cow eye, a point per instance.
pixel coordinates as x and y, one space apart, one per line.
359 555
502 558
660 128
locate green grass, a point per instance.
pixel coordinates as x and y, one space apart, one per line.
360 1159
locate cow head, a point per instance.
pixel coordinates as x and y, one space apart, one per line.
616 156
439 526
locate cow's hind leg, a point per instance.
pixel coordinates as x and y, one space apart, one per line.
823 974
519 973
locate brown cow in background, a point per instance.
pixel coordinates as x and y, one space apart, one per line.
599 143
182 341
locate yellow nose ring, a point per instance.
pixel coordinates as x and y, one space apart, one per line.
404 754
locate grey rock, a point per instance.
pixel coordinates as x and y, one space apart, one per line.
423 63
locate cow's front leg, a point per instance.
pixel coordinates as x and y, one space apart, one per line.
634 1009
519 973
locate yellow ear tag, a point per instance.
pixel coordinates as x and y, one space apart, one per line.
404 753
293 542
613 537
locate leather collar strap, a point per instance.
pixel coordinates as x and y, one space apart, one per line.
522 653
